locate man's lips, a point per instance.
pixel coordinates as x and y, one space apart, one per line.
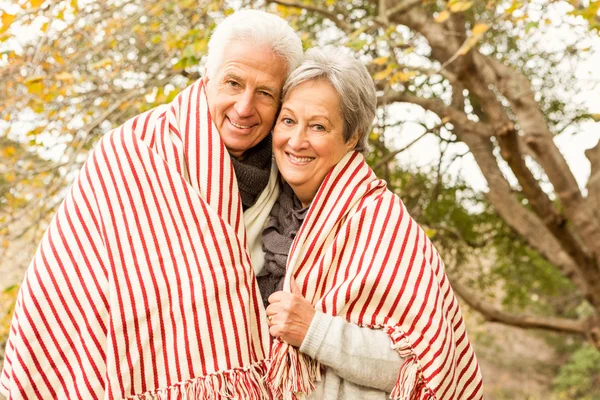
240 126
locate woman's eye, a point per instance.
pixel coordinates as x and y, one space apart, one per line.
318 127
287 121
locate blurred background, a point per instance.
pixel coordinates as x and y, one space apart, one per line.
488 129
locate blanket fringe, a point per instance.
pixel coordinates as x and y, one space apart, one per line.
410 385
239 383
291 374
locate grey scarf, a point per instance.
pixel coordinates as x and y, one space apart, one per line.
284 222
253 172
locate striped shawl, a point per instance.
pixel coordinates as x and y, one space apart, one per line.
142 286
360 255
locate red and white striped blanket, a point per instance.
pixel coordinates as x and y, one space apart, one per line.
142 286
360 255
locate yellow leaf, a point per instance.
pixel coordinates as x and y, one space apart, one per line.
7 20
468 45
381 75
430 233
480 29
380 60
596 117
44 27
35 84
442 16
36 3
400 77
64 76
105 62
7 117
460 6
9 151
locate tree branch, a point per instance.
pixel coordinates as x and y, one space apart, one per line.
401 7
343 25
438 107
494 314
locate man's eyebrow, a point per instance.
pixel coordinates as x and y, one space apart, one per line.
232 75
269 89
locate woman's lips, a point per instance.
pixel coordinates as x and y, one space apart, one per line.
297 160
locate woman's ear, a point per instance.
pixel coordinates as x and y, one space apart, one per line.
351 143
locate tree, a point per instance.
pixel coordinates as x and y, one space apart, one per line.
485 100
88 66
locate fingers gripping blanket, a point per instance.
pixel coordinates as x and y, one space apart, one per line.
360 255
142 286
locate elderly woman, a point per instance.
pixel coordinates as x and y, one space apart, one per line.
358 298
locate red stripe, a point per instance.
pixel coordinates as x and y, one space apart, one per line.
119 298
342 212
194 303
175 224
121 182
385 260
50 329
21 389
67 309
471 378
32 352
90 241
157 246
354 247
396 267
330 215
91 269
114 342
74 297
370 266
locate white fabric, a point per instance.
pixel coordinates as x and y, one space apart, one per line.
257 216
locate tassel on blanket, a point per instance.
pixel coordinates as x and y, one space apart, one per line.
291 375
410 385
247 383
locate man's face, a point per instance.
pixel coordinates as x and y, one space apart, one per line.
243 95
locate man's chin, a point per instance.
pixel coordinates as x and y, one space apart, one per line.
237 146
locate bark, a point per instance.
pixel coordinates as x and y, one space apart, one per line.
494 314
517 89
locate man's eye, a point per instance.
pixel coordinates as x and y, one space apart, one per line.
266 94
233 84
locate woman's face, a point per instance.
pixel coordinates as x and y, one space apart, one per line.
308 137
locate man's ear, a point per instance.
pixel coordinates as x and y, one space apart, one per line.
205 77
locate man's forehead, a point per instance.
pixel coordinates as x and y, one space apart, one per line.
253 76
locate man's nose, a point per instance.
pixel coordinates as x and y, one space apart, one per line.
244 106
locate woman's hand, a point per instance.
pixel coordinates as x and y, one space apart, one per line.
289 315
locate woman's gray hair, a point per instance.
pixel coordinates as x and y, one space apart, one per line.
255 28
352 82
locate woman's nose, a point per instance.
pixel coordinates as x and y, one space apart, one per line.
298 138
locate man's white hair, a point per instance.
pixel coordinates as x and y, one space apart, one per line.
256 28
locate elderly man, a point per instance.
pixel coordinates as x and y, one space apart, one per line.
143 285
